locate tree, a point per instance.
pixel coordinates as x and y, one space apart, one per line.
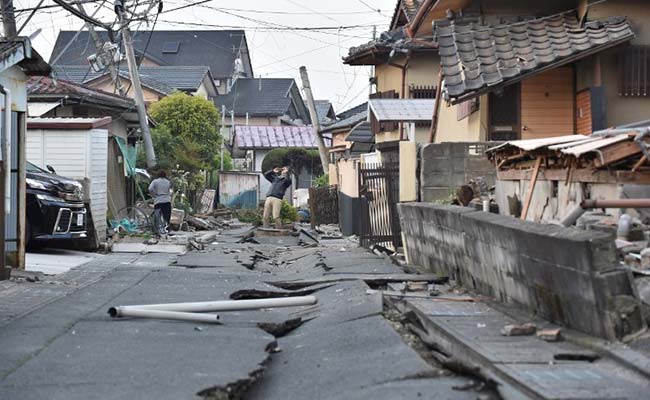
188 130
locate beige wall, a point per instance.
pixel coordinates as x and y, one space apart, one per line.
620 110
348 175
202 92
470 129
332 173
106 85
149 63
422 70
407 171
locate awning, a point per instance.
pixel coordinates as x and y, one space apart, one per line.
40 109
477 59
402 110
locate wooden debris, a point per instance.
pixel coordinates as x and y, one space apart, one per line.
370 279
550 335
519 330
531 188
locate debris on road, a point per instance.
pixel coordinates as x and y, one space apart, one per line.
214 306
519 330
578 356
550 335
370 279
138 312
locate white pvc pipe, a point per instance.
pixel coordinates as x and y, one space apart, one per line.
7 149
225 305
162 314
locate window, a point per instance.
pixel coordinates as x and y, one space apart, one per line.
466 108
171 47
634 71
422 92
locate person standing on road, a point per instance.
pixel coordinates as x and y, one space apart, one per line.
160 189
280 182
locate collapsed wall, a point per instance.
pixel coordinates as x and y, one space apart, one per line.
566 275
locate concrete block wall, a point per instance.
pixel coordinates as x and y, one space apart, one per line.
447 166
566 275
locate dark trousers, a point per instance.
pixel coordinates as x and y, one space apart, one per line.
165 210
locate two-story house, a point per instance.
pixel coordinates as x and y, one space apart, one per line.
223 52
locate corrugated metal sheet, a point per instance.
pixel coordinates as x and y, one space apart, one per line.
411 110
37 109
239 189
590 146
271 137
534 144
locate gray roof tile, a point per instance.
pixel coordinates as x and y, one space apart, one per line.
268 97
475 58
216 49
162 79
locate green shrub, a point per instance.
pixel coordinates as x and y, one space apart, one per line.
288 213
322 180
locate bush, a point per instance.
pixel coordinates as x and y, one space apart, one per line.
322 180
288 213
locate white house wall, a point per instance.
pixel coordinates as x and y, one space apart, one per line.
76 154
15 80
98 175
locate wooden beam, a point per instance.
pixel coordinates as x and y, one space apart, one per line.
616 152
639 163
531 188
582 175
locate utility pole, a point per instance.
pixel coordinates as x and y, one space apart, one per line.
223 131
324 158
137 88
115 76
8 19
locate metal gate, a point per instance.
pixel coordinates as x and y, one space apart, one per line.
379 194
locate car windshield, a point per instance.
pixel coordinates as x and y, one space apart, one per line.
33 168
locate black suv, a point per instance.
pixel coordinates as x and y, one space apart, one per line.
55 207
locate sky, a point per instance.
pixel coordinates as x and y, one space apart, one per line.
276 51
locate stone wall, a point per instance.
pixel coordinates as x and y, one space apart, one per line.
446 166
566 275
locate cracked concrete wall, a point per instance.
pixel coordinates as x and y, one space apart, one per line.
566 275
447 166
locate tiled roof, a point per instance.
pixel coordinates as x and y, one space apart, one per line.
408 8
348 122
361 133
265 97
475 58
216 49
161 79
354 110
41 87
387 41
271 137
325 111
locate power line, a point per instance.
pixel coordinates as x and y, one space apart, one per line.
372 8
278 28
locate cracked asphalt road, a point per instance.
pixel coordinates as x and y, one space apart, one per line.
69 348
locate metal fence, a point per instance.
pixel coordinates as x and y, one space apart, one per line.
324 205
379 194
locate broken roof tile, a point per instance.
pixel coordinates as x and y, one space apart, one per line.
499 55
